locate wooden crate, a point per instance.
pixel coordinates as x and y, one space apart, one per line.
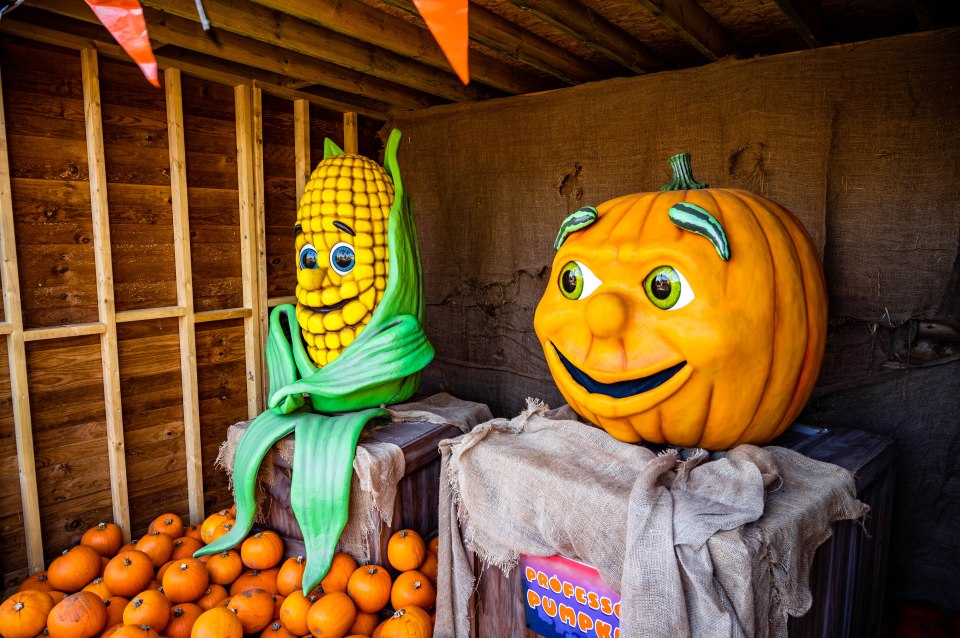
848 573
417 494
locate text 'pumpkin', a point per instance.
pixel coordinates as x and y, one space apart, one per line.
692 316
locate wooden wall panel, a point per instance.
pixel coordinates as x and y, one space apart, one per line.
138 173
13 558
43 100
149 357
280 195
323 123
223 399
70 440
211 153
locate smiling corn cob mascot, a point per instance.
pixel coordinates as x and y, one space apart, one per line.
353 343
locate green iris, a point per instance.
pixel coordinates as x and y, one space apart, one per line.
662 286
571 280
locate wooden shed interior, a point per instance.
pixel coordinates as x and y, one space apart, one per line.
145 233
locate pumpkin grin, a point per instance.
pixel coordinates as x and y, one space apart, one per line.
618 389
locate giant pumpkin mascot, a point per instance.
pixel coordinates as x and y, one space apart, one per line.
353 343
692 316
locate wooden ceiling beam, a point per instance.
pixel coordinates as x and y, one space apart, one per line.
187 34
499 34
357 20
580 22
60 32
805 15
688 19
286 32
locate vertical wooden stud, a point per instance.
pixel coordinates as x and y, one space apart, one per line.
243 98
301 145
261 241
105 303
181 248
351 145
16 354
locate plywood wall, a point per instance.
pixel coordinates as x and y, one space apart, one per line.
123 422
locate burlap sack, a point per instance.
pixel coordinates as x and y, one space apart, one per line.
698 546
377 467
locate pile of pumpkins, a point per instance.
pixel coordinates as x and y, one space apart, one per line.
154 588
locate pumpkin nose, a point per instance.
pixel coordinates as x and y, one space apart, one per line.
606 314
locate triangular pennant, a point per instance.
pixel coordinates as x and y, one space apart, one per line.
124 20
447 21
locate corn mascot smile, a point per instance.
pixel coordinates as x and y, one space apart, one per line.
692 316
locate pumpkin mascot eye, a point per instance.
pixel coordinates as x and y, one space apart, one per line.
576 281
667 289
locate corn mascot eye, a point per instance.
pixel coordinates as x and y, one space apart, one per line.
342 258
308 257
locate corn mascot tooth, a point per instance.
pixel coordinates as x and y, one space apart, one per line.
353 342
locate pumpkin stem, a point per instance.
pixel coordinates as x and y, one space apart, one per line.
683 179
17 606
102 526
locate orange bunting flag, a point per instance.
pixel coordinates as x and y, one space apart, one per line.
124 20
447 21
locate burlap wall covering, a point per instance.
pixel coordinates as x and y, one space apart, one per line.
859 141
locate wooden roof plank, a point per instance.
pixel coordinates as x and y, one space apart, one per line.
357 20
581 22
688 19
805 17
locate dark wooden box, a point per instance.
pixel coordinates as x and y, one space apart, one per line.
417 494
848 573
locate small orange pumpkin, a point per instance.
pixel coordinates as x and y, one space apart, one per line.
24 615
158 546
293 612
331 616
213 596
369 587
694 317
148 608
128 573
184 547
413 588
434 545
186 580
341 568
36 581
405 550
182 617
57 595
429 567
106 538
115 606
99 588
254 608
79 615
134 631
74 568
169 523
275 630
218 622
193 531
408 622
224 567
364 624
110 630
290 576
263 550
256 579
211 523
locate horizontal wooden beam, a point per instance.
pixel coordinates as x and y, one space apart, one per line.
147 314
271 27
360 21
330 99
5 328
804 15
689 20
273 302
583 23
77 35
62 332
499 34
221 315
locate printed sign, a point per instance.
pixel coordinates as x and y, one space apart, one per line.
566 599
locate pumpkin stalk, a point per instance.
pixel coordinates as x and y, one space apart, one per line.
683 179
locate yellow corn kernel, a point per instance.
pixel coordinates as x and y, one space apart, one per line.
360 199
367 298
349 289
346 337
328 208
343 183
329 296
363 226
319 356
378 227
362 212
328 195
379 252
314 298
353 312
308 336
363 240
379 268
358 329
316 224
316 325
333 321
380 283
309 279
331 340
365 256
374 200
344 197
333 354
379 295
345 209
363 271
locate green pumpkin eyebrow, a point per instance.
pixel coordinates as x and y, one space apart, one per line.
577 220
697 220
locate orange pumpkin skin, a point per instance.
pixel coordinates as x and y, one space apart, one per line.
185 580
256 579
149 608
128 573
263 550
331 616
225 567
213 596
36 581
158 546
169 523
106 538
369 587
290 576
134 631
73 569
115 606
98 587
429 567
752 337
341 568
254 608
275 630
408 622
413 588
293 612
80 615
24 615
182 617
364 624
185 546
405 550
218 622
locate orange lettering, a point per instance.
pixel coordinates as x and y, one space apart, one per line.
616 633
533 599
542 579
567 615
603 629
584 622
555 584
593 600
616 610
549 606
580 595
567 589
605 605
531 574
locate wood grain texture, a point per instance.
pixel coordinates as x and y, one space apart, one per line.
286 146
